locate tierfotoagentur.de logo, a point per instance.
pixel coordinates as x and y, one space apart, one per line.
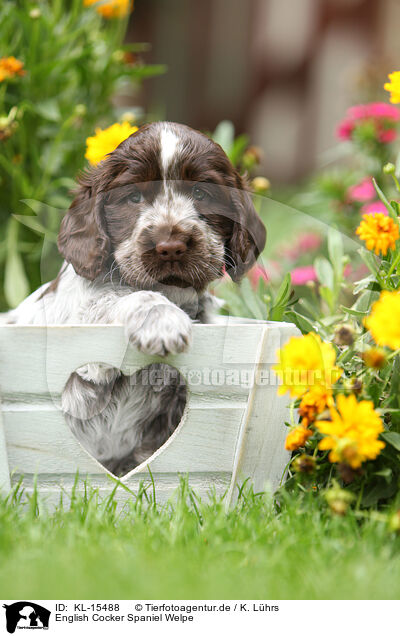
26 615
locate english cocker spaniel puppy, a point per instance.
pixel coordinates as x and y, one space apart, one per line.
150 227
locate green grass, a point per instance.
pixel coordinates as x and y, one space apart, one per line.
195 550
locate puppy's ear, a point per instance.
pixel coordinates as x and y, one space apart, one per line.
82 239
248 233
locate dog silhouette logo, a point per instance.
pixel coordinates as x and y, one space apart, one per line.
26 615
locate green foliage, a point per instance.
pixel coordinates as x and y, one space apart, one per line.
191 548
74 64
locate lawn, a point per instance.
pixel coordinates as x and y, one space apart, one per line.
196 550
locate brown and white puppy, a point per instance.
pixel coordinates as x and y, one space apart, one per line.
151 226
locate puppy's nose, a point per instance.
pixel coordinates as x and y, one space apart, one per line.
171 250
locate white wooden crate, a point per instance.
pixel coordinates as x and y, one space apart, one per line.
232 428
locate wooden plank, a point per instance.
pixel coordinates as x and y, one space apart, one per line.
261 454
39 441
5 484
40 359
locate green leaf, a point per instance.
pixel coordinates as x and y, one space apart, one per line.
48 109
362 284
335 250
33 224
238 147
384 200
365 300
327 295
224 135
251 300
392 438
302 322
16 286
353 312
324 271
283 293
369 260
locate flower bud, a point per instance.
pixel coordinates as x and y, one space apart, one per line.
394 522
338 499
356 386
344 335
304 464
118 56
80 110
35 13
128 116
389 168
260 185
252 157
374 357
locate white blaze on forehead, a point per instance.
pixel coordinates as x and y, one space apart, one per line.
169 142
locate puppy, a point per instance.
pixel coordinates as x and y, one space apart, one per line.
150 227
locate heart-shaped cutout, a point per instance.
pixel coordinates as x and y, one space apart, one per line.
122 420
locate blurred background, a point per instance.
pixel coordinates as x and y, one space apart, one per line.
283 71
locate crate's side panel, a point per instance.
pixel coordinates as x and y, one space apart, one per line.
260 453
39 441
39 360
5 484
205 441
36 362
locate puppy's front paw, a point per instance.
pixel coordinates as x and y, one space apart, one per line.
161 330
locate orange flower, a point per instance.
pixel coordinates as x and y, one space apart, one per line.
297 437
316 400
111 8
380 232
9 67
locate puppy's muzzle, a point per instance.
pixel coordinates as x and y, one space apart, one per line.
171 250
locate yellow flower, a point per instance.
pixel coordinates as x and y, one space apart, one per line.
352 434
9 67
393 87
304 362
384 320
105 141
316 400
111 8
379 232
297 438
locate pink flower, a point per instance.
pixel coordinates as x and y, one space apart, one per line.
363 191
383 116
302 275
383 110
309 241
257 272
305 243
345 130
347 271
387 136
358 112
375 206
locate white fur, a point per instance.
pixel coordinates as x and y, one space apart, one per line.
169 147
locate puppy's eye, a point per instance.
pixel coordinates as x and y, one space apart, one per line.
198 193
136 196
